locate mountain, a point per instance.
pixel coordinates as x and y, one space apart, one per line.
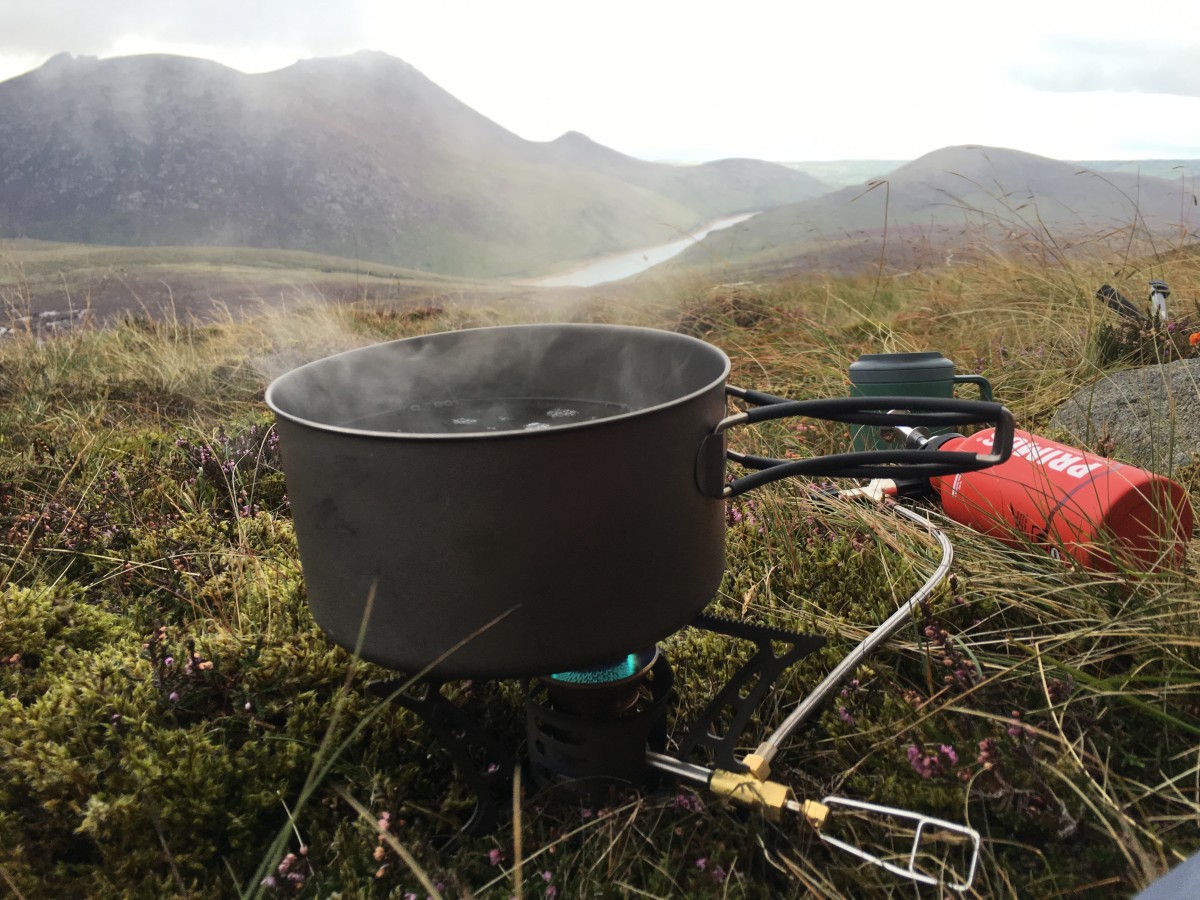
359 156
956 200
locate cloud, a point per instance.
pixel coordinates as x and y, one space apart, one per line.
85 26
1067 65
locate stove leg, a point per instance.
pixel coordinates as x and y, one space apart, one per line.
462 735
740 697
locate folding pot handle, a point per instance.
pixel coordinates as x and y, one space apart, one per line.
894 464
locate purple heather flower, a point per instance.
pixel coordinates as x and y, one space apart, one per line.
950 754
495 856
987 752
173 696
924 765
688 802
1017 729
702 863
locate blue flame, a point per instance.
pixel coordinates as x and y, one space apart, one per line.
605 673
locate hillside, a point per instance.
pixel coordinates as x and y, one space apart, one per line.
359 156
947 199
42 282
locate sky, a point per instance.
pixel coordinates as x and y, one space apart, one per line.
693 80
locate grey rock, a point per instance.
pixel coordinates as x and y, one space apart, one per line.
46 322
1149 416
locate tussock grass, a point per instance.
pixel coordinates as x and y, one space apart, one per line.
172 723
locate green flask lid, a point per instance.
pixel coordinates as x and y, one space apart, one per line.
876 368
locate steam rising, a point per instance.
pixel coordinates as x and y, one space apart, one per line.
314 329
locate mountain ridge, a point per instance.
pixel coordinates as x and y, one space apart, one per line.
994 197
359 156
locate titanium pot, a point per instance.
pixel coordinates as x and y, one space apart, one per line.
526 500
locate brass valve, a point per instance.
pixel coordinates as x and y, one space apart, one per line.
770 797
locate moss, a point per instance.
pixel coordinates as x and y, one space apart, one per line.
115 744
46 628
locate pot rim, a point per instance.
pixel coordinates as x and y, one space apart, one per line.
513 434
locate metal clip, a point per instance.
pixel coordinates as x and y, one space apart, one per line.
923 822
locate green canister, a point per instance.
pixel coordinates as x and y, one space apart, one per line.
926 374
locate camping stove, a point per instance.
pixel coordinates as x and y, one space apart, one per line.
590 732
595 731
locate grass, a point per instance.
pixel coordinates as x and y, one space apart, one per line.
172 723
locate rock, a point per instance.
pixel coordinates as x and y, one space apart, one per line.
1149 416
46 322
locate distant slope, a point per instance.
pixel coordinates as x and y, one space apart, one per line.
947 199
1171 169
360 156
42 281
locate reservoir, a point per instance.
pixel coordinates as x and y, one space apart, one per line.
616 266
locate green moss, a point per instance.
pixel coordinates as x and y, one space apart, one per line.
46 628
126 759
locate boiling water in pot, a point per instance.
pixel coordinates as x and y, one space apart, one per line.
492 414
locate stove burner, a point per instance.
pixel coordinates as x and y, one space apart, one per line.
603 691
587 738
632 666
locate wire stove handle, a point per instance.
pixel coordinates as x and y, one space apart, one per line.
772 798
924 824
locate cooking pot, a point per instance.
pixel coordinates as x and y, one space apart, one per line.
526 500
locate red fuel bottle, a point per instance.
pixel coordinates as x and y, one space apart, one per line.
1104 514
